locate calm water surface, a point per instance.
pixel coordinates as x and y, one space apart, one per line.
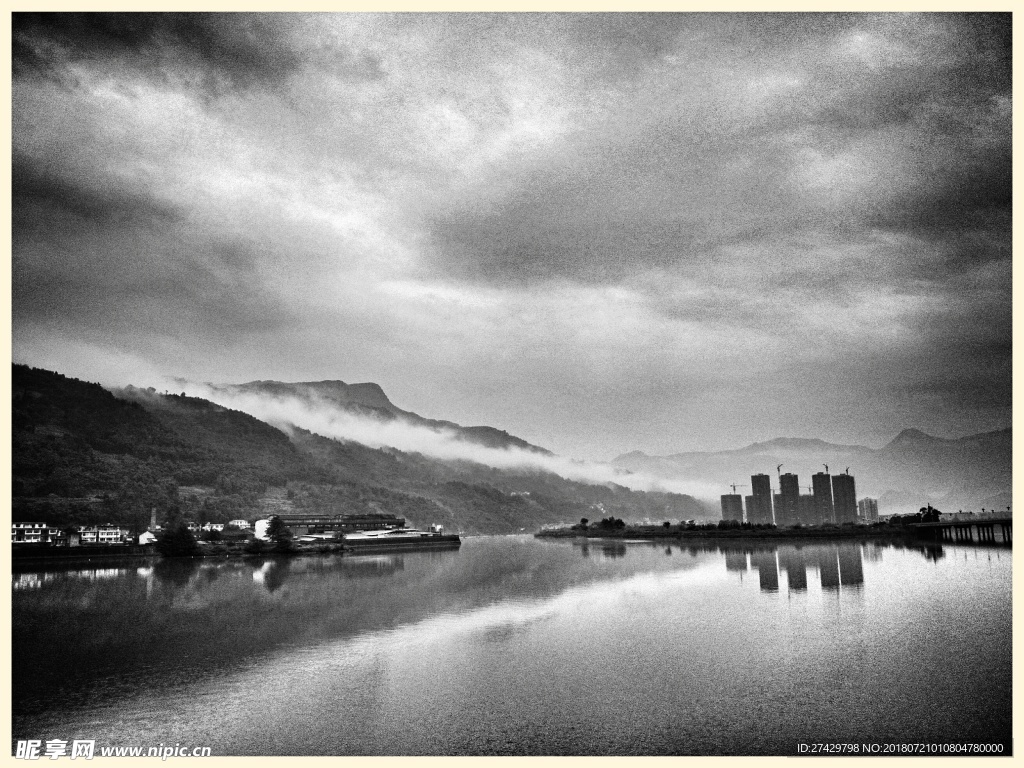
513 645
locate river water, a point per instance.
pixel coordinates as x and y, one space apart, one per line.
512 645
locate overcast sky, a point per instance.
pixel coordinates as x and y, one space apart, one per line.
598 232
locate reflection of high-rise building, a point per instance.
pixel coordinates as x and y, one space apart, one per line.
828 567
761 492
824 511
851 567
792 560
732 507
767 569
735 560
868 510
787 510
844 497
872 552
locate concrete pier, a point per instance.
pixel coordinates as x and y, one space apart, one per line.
968 531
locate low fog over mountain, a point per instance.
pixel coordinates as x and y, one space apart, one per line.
82 455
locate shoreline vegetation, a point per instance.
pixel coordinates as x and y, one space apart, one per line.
617 529
179 544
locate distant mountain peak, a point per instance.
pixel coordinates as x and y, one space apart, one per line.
367 393
370 398
912 436
630 455
793 442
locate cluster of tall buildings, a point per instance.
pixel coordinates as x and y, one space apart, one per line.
832 500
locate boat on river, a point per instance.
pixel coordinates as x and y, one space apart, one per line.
399 538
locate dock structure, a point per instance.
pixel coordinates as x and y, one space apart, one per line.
982 531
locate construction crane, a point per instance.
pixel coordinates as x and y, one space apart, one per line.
826 468
736 485
779 470
847 471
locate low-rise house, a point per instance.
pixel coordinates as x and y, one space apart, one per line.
213 527
103 534
35 533
147 537
242 525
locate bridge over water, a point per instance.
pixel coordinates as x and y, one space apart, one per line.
980 531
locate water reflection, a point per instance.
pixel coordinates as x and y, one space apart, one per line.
851 566
613 549
36 580
838 565
767 569
735 560
795 565
511 644
176 573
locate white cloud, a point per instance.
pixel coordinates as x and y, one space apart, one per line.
327 420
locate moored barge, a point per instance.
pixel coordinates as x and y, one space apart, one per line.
399 538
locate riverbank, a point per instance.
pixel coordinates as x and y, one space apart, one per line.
86 552
34 555
653 533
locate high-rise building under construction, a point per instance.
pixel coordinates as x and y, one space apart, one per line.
824 510
868 510
732 507
787 510
761 493
844 498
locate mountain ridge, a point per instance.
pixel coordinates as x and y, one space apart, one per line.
82 455
912 469
907 435
370 399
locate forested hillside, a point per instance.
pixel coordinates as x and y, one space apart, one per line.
82 455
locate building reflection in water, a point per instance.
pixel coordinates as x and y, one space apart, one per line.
872 551
851 566
793 562
828 567
735 560
272 574
767 569
838 565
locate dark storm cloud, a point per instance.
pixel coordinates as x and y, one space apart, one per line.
37 184
101 253
221 50
613 209
656 230
960 379
970 196
925 110
142 287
